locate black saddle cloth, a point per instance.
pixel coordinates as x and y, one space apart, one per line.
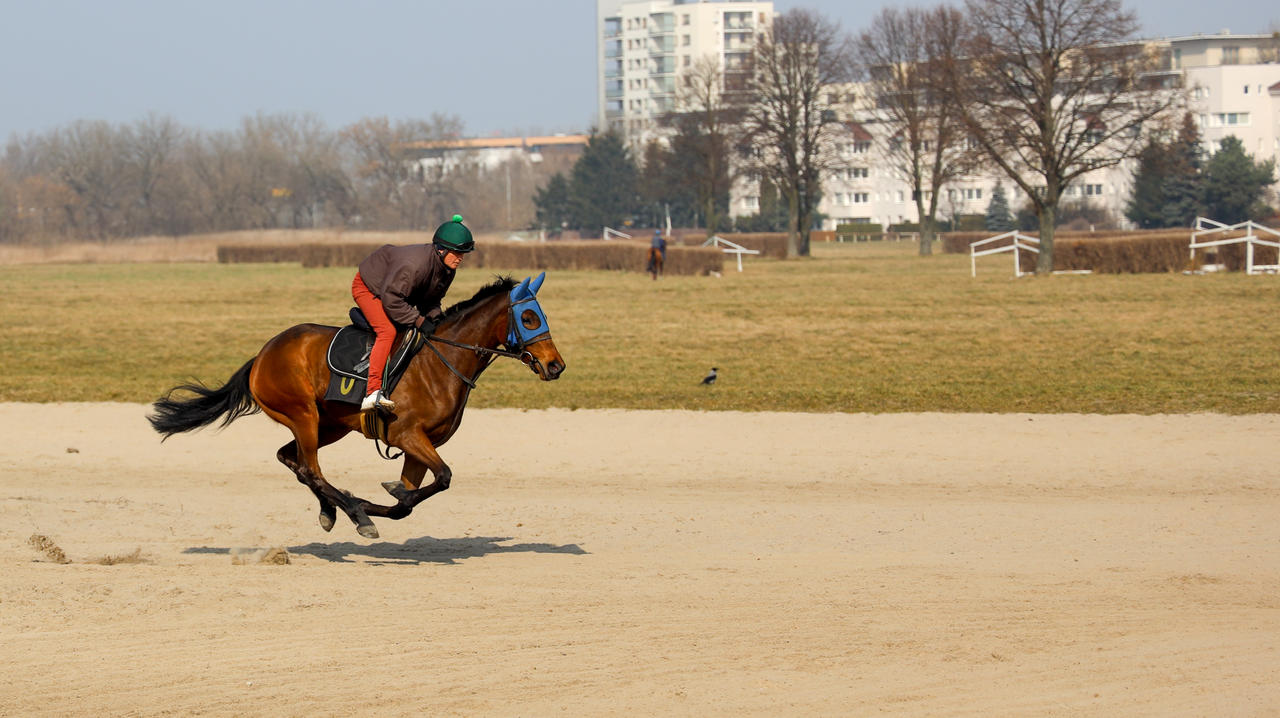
348 360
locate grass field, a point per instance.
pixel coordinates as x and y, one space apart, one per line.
856 328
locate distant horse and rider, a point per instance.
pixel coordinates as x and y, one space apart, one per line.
657 254
289 379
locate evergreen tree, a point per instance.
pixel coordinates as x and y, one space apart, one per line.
602 189
552 203
998 217
1234 182
1146 204
1182 190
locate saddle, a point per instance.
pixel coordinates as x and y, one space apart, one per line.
348 359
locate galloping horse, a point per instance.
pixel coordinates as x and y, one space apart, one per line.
287 380
654 265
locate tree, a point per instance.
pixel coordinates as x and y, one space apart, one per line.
1182 189
924 142
1234 182
998 217
704 120
1054 89
552 203
788 120
1146 205
602 187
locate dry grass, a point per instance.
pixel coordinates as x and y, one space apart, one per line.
868 327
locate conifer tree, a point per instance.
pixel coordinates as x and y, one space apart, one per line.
998 217
603 188
1182 189
1146 204
1234 182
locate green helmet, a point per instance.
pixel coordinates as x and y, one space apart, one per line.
454 236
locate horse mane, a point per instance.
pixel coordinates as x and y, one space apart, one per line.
500 285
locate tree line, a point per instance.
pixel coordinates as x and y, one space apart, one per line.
93 180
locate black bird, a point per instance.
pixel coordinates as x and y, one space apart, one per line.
710 378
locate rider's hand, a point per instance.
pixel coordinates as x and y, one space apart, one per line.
427 326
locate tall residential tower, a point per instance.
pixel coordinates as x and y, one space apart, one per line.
644 46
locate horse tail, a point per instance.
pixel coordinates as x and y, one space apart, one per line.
229 402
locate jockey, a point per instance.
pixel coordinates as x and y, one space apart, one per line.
659 243
402 287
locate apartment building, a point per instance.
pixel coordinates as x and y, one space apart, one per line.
645 46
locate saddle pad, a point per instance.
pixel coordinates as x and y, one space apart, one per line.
348 359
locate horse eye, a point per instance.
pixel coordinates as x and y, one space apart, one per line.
529 319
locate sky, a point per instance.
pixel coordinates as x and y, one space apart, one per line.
506 67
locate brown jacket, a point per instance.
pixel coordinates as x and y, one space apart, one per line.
409 280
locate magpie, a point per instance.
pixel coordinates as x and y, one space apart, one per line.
710 378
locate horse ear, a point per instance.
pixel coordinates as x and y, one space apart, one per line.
522 290
536 284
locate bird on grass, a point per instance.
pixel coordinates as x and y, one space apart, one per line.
709 379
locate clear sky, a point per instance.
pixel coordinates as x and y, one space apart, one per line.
503 66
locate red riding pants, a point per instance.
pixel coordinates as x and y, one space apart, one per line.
384 331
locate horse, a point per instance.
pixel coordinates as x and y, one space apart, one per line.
654 264
288 378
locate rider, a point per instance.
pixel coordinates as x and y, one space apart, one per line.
659 243
403 286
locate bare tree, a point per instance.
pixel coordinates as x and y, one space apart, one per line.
1054 89
151 148
401 181
705 117
788 121
922 138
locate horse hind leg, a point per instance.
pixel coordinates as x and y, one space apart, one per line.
288 455
302 456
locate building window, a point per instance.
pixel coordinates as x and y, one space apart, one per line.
861 197
688 60
1230 55
684 19
861 147
1093 190
751 202
857 173
901 198
684 40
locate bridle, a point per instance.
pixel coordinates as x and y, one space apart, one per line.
518 342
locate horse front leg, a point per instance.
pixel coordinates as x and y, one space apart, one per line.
419 457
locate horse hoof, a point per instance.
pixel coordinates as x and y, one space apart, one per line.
368 531
326 520
395 488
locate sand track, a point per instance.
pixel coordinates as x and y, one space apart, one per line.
754 564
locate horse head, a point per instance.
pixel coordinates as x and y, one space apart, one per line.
528 333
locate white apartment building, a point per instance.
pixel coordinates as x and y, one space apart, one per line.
644 46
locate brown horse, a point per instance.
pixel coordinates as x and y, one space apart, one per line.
287 380
654 265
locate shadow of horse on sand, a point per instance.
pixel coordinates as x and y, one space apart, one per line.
415 551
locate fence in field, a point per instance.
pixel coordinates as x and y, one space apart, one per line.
1206 227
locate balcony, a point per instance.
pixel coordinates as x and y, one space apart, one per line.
613 70
613 49
662 86
613 89
662 45
665 65
738 21
662 23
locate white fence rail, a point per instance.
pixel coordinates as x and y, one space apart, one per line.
609 233
729 248
1206 227
1020 241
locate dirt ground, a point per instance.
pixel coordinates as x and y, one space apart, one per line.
641 563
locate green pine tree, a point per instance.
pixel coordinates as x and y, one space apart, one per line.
1146 204
552 203
1234 182
603 186
998 217
1182 189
